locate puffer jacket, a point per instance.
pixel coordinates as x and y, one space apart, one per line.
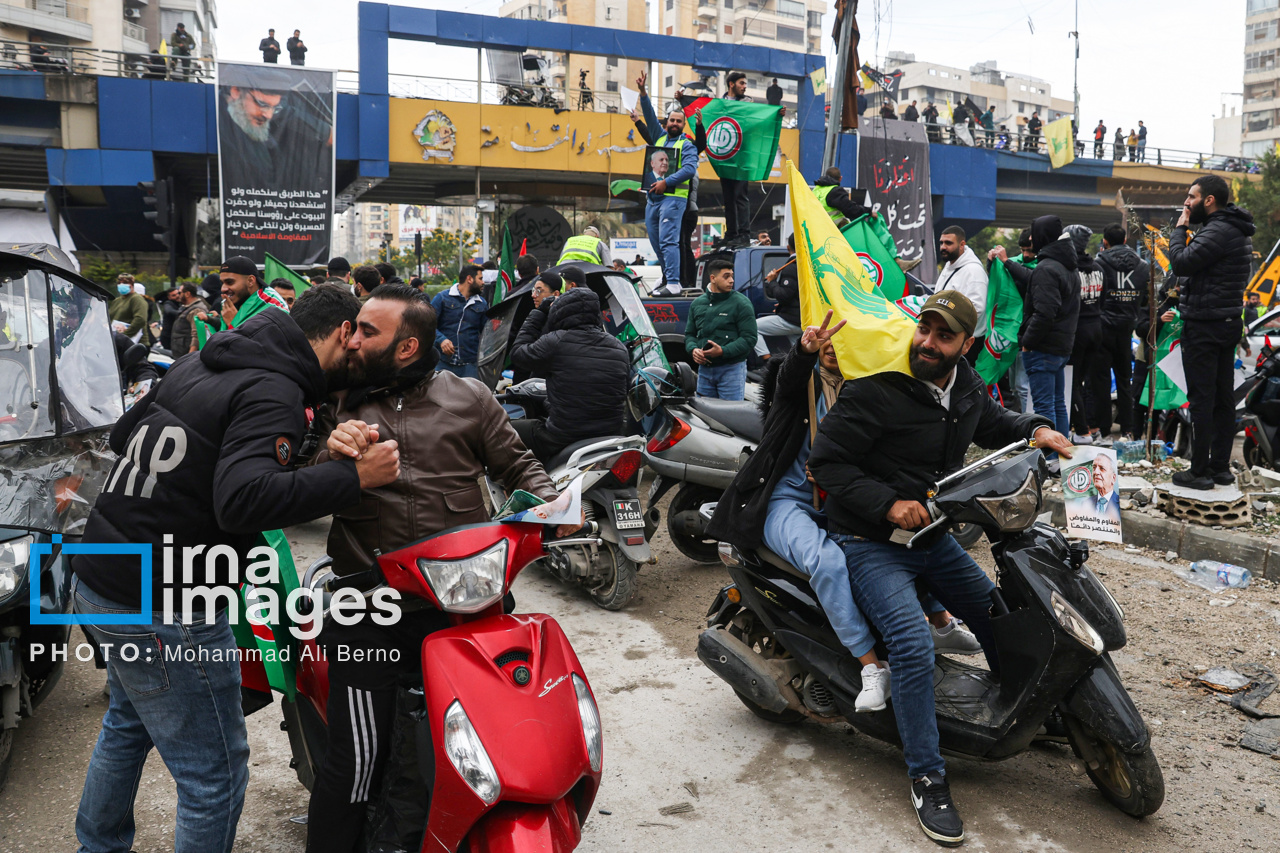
1124 284
1216 264
728 319
586 368
450 431
1052 306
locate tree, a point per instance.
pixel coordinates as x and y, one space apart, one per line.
440 250
1262 199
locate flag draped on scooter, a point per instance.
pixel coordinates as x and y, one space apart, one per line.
877 334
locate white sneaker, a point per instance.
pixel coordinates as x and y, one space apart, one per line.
875 689
1081 439
954 639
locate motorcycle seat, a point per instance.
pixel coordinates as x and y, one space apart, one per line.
776 561
563 456
741 417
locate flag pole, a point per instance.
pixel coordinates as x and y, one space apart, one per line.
1151 349
835 118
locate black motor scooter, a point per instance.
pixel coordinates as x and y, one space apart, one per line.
1261 419
1054 623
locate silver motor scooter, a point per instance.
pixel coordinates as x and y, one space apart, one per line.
694 443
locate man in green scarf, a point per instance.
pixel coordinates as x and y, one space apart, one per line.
243 296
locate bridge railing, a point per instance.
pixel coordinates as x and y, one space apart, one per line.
75 61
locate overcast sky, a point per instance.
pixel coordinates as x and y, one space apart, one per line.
1167 63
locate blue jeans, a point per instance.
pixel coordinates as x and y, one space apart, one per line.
662 220
466 371
725 381
189 711
1048 387
883 576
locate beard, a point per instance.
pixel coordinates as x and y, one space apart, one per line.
1197 214
927 371
338 377
256 132
947 256
374 371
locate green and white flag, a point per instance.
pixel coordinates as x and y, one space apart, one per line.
1168 373
1004 317
742 138
874 246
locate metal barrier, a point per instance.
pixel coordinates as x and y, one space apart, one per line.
69 60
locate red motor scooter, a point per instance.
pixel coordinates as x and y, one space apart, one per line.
500 748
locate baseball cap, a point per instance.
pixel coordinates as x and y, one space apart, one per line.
954 307
240 265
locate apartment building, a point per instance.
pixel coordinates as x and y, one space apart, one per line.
1015 96
361 229
792 25
1260 131
605 74
119 26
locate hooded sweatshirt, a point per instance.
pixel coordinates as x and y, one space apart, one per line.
1216 264
586 368
967 275
1052 305
207 457
1124 283
1090 276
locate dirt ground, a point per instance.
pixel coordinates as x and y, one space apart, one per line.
675 733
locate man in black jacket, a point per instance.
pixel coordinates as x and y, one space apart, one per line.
835 199
1050 309
270 48
206 463
1216 265
888 438
1086 350
783 286
586 370
1124 284
297 50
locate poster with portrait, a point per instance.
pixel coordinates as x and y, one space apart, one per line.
1091 490
276 161
413 219
657 165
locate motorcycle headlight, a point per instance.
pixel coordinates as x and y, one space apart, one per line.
1015 511
468 585
590 722
1075 624
15 555
466 752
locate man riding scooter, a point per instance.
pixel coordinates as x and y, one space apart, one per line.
773 500
586 370
449 430
886 440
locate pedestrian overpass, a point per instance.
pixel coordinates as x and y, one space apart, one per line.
89 139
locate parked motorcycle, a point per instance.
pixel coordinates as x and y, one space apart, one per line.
694 443
607 556
1261 418
60 395
1054 623
498 747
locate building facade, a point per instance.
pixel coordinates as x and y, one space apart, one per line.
791 25
1015 96
1261 126
605 74
108 26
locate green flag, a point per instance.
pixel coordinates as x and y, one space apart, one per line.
1168 394
273 641
621 186
262 300
742 138
274 269
875 248
506 268
1003 318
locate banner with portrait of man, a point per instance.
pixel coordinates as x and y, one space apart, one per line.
276 161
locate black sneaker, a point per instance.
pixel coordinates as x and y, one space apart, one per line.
1224 478
1193 481
937 813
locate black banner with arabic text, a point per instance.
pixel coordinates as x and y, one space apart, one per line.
276 161
894 167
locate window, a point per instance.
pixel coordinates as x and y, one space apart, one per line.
1261 61
815 19
728 4
1257 147
668 29
1260 92
669 82
791 35
611 85
1022 87
1254 122
762 29
1257 6
611 61
791 9
1261 31
671 4
728 29
933 72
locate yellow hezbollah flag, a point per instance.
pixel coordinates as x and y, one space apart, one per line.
1057 136
877 335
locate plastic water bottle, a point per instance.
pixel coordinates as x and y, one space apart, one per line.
1129 451
1213 575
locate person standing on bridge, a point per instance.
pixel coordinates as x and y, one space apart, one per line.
1142 142
180 45
297 50
270 48
1099 139
587 247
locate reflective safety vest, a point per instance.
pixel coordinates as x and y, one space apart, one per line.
679 142
581 248
822 192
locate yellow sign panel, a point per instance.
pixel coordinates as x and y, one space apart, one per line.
450 133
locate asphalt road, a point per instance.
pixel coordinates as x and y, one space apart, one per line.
675 734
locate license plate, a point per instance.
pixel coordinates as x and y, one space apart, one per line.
627 515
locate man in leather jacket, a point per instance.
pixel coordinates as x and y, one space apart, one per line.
450 431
